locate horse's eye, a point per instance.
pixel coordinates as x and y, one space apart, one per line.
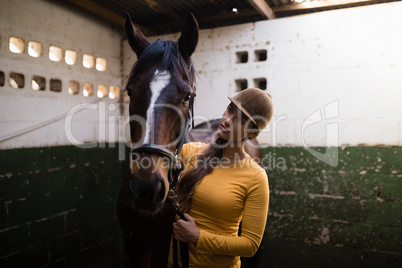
128 91
187 98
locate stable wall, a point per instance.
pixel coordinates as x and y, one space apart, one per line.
343 216
57 200
58 207
346 61
72 119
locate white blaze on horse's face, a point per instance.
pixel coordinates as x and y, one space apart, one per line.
158 83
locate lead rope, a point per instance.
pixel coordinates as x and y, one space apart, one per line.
184 253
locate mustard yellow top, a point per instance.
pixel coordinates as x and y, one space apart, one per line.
222 199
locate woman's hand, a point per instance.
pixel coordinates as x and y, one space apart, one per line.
186 231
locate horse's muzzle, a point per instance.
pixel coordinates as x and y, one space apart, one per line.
147 194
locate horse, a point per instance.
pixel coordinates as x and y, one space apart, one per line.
161 87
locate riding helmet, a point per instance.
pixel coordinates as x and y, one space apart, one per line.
256 104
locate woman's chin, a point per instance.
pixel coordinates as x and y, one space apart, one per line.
222 135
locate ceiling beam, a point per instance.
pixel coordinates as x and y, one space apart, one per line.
316 5
176 26
229 16
106 14
162 9
263 8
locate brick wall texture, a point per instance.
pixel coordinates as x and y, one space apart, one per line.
57 208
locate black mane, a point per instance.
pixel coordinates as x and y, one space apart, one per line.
166 55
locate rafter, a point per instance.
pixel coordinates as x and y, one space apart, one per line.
313 5
105 14
263 8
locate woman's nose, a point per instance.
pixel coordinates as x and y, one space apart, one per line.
226 121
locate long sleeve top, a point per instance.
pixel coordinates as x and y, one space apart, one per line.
221 200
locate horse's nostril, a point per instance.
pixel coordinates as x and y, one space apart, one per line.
147 194
160 192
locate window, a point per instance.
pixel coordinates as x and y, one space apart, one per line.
101 64
2 78
241 84
102 91
242 57
114 92
261 55
55 53
17 80
55 85
88 89
38 83
73 87
260 83
70 57
88 61
16 45
34 49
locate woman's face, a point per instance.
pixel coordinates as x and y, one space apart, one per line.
232 126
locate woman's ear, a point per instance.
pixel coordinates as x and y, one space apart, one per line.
252 134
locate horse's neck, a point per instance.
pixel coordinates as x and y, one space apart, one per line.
203 132
189 138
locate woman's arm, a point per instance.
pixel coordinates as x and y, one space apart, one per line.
186 231
253 226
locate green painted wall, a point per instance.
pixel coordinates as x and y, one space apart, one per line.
57 207
344 216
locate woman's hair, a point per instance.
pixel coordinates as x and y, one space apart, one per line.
204 164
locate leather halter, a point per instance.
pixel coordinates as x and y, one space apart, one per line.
174 164
173 173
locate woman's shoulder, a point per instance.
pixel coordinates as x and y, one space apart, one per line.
253 166
192 148
196 144
257 178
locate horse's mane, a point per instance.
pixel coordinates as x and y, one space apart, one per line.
165 54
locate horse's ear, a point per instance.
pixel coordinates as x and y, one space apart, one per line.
189 37
138 42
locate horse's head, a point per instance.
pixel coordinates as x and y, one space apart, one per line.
161 87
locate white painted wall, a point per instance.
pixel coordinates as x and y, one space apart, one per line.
54 24
349 61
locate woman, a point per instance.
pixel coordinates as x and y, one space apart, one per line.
222 185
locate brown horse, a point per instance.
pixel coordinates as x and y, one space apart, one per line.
161 87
